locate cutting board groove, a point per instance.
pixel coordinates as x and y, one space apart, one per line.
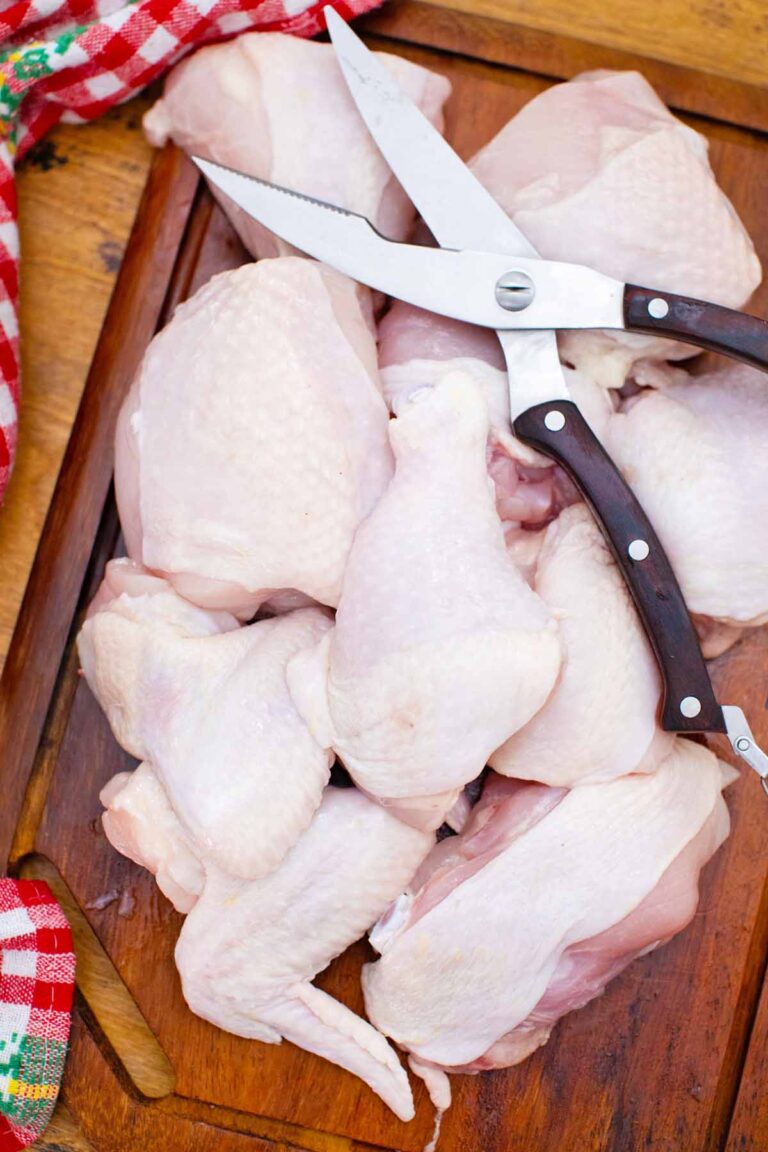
671 1058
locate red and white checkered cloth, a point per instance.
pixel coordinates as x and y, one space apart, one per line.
37 974
74 59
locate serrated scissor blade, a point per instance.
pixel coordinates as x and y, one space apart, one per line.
450 283
457 284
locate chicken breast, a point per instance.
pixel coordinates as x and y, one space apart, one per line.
254 438
600 719
440 650
248 951
598 171
526 916
212 716
278 108
696 455
140 823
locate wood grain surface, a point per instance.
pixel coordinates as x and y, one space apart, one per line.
720 37
78 194
657 1062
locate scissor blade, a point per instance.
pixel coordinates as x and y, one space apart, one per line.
456 284
459 211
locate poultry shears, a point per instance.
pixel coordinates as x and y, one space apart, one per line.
485 272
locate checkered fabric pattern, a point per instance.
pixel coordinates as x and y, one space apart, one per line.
74 59
37 973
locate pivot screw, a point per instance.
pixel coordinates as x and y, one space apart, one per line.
515 291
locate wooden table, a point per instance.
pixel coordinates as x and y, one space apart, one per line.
78 194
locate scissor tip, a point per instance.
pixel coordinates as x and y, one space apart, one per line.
331 16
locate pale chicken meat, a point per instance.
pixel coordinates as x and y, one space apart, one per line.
278 108
480 618
546 896
136 605
440 650
248 951
254 438
212 715
417 348
600 719
599 172
696 454
140 823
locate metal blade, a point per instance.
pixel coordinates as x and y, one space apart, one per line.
460 212
457 284
458 209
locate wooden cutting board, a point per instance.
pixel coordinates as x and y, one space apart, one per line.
662 1061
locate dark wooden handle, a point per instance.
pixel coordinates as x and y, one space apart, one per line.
558 429
697 322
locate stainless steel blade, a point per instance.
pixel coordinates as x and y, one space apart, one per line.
460 212
457 284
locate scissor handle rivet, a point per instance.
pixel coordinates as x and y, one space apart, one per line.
690 706
554 420
658 308
638 550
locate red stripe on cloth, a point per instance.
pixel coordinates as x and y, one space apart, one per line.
50 941
46 916
57 997
17 989
9 1141
49 1025
32 892
5 455
8 362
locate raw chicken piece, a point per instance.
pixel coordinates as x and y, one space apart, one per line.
213 717
111 648
417 348
140 823
248 951
440 650
254 438
696 455
279 108
597 171
526 915
600 720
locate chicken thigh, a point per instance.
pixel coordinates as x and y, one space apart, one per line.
597 171
696 455
600 720
526 915
278 108
212 716
441 650
248 951
254 438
